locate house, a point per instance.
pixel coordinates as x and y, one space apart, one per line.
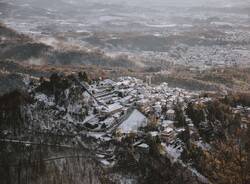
157 109
154 133
111 109
167 123
106 83
170 114
143 148
168 135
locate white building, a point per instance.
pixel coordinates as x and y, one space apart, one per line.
171 114
135 120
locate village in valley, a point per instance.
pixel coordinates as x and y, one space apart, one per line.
127 107
121 122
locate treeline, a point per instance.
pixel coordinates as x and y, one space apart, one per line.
12 112
227 160
186 83
240 98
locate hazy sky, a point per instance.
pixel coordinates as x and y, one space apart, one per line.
220 3
172 2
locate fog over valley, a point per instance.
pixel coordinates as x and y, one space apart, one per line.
150 32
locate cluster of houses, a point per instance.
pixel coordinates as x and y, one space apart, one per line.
199 57
114 109
245 111
126 105
127 109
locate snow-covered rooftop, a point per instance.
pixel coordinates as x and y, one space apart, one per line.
133 122
114 107
167 123
170 111
143 145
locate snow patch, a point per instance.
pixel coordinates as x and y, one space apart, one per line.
172 152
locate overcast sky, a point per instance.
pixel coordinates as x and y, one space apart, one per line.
213 3
224 3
